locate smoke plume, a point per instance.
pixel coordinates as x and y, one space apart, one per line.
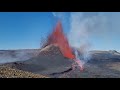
81 30
82 27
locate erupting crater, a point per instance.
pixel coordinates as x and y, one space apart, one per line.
57 37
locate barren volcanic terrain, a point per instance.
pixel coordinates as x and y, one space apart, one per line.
50 62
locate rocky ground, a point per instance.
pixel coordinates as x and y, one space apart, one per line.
7 72
50 62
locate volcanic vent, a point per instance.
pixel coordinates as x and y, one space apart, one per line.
58 38
50 51
55 57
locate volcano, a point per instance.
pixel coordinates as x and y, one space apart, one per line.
55 56
49 60
58 38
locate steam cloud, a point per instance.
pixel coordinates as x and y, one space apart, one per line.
82 27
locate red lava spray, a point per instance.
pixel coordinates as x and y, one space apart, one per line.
57 37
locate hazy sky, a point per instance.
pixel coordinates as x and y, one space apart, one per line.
20 30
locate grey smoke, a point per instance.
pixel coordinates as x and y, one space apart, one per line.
82 27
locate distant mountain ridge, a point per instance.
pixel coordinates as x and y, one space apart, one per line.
25 54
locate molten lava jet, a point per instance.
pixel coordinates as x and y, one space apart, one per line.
57 37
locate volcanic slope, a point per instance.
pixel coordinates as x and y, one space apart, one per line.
103 64
49 60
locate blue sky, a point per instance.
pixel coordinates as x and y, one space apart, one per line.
24 30
19 30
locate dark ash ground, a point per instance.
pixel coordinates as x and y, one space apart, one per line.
50 62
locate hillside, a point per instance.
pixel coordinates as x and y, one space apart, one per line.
50 62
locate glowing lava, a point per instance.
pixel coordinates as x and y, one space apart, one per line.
79 63
57 37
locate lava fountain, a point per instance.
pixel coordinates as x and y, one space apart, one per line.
58 38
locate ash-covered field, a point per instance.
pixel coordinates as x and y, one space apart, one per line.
50 62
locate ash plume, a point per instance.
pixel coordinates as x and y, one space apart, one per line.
82 27
81 30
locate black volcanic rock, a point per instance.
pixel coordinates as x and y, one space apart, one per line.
48 61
